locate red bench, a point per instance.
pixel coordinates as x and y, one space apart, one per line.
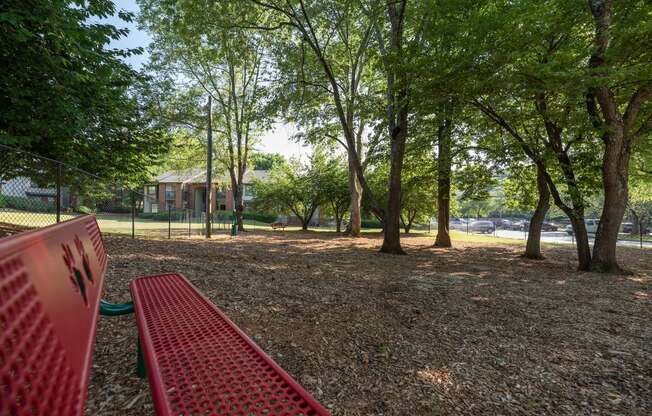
278 224
197 360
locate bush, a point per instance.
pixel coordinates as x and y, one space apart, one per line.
22 203
84 210
259 216
247 215
161 216
371 224
117 209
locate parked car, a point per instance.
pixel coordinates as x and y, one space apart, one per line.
503 223
591 226
482 227
628 228
546 226
518 225
457 224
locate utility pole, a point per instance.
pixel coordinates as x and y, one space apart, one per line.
209 168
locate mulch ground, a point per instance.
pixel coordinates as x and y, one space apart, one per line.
472 330
10 229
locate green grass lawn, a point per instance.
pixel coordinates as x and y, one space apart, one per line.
31 219
118 223
121 224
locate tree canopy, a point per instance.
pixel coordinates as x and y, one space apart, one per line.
66 95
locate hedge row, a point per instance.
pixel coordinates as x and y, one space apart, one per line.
259 216
162 215
370 224
26 204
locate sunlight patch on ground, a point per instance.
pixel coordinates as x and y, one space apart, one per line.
141 256
641 296
461 275
438 377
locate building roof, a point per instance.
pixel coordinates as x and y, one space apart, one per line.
175 176
198 175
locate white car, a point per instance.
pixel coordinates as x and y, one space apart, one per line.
591 226
457 224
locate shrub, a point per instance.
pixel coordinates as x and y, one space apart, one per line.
84 210
247 215
22 203
162 215
371 224
259 216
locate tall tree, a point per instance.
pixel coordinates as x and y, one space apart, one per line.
618 102
536 98
66 95
222 60
328 47
394 62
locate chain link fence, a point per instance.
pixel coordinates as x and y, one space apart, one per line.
36 191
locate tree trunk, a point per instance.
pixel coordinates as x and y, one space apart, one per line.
621 135
397 115
582 242
533 245
614 176
443 238
392 228
237 202
239 210
574 213
304 225
407 225
355 221
637 224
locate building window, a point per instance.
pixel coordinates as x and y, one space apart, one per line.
151 191
170 195
249 190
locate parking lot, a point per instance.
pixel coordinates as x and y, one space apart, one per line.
559 236
562 237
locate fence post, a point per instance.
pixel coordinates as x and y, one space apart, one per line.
133 215
58 191
169 221
189 224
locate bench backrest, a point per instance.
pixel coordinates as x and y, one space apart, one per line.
50 288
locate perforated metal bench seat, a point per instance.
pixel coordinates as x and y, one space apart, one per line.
200 363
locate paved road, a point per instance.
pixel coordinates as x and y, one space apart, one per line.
562 237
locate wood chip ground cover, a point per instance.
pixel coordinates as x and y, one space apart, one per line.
471 330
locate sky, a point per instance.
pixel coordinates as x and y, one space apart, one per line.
273 141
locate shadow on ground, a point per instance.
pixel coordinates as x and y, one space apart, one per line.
474 329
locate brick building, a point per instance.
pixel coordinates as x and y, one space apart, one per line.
187 190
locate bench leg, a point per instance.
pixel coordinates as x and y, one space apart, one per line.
140 363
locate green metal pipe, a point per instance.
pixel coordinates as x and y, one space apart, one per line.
115 309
